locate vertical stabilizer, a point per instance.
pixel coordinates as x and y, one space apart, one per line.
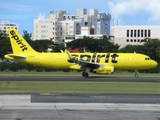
18 43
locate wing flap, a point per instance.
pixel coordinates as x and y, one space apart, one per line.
88 64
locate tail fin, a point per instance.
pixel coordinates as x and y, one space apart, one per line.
18 43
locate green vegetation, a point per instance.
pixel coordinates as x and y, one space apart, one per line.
79 87
93 45
34 73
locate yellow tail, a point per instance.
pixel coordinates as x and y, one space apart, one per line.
18 43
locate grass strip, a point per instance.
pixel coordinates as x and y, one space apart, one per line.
79 87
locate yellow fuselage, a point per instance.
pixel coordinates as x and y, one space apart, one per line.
121 61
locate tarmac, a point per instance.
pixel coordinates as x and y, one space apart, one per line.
60 106
80 79
20 107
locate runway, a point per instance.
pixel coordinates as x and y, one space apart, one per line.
20 107
79 79
96 98
60 106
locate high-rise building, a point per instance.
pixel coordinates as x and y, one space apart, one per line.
47 28
62 24
103 23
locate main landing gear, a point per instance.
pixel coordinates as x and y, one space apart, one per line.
136 74
85 73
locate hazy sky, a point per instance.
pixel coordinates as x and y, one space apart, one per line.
127 12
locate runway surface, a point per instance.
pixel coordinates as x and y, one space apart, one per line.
20 107
79 79
96 98
60 106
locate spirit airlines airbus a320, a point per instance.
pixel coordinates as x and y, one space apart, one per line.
100 63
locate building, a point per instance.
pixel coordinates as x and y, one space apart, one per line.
4 25
134 35
50 29
62 24
103 23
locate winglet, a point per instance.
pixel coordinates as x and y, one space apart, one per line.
71 58
69 55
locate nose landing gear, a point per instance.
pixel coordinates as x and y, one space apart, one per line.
136 74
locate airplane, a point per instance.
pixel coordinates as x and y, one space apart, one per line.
99 63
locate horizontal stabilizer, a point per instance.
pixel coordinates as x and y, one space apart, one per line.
15 56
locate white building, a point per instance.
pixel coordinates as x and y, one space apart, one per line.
73 23
47 28
4 25
134 35
62 24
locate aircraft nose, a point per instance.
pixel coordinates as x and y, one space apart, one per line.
154 63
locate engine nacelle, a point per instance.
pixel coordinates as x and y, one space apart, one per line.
105 70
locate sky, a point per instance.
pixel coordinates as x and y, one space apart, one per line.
123 12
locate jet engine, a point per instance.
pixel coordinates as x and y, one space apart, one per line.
104 70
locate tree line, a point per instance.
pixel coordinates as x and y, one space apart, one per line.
151 47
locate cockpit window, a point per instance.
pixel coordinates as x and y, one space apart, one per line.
147 58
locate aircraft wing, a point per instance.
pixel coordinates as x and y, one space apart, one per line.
83 63
88 64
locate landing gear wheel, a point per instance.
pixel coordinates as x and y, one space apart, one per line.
85 74
136 75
